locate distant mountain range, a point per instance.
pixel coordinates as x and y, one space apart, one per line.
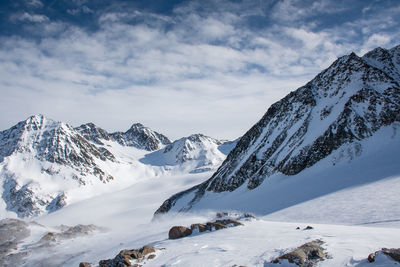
336 117
43 162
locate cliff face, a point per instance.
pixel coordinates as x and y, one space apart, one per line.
344 104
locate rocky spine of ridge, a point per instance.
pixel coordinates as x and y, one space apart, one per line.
141 137
347 102
137 136
56 150
55 142
93 133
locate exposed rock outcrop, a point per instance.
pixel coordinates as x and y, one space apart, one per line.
307 255
130 257
179 232
393 253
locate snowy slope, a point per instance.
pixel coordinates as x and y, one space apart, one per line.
195 153
40 158
45 165
341 109
128 215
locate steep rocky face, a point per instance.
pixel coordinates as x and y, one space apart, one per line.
137 136
141 137
93 133
344 104
38 151
54 142
195 153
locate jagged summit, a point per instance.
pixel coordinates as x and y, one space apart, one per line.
93 133
42 161
34 152
343 105
138 136
196 153
141 137
386 60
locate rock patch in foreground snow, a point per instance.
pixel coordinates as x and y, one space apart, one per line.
393 253
68 232
306 255
225 220
178 232
12 232
15 233
126 256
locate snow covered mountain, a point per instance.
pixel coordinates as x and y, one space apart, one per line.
194 154
137 136
336 116
45 164
141 137
37 152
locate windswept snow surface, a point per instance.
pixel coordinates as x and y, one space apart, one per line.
352 206
347 187
355 214
128 215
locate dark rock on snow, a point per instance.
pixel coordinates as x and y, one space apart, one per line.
393 253
306 255
178 232
126 256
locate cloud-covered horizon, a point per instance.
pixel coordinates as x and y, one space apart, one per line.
180 68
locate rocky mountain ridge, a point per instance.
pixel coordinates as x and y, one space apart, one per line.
137 136
195 153
42 160
344 104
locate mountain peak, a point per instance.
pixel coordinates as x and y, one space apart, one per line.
195 153
138 125
39 121
93 133
344 104
141 137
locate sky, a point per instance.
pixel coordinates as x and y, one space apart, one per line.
178 67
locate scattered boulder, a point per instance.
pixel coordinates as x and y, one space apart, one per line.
126 256
85 264
371 257
249 216
309 228
199 227
179 232
393 253
297 228
216 226
229 222
222 223
222 214
307 254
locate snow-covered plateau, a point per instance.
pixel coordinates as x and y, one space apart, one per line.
321 167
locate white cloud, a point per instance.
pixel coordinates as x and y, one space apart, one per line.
29 17
375 40
190 72
34 3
